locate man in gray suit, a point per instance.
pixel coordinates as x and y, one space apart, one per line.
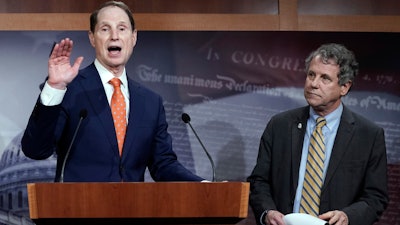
354 173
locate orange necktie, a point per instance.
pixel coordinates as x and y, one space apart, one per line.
118 110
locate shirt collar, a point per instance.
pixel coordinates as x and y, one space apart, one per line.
106 75
331 119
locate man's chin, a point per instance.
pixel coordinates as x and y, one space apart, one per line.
315 104
116 63
313 101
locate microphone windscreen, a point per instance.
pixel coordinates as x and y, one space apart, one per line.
83 113
185 117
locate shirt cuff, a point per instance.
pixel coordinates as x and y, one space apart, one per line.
262 217
51 96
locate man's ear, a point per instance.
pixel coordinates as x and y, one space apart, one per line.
134 36
91 38
345 88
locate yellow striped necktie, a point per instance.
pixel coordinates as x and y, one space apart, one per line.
313 177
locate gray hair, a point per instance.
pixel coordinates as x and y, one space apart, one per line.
343 57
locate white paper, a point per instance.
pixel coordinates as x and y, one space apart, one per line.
303 219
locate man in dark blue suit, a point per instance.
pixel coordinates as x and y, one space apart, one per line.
70 94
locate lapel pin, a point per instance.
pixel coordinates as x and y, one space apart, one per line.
299 125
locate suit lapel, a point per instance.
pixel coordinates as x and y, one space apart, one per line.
299 126
98 100
137 101
343 136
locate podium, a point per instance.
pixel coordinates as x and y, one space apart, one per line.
138 203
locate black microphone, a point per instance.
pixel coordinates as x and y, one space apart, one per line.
186 119
82 116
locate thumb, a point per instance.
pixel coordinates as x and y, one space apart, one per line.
77 63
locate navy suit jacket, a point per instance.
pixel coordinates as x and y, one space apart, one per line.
94 156
356 179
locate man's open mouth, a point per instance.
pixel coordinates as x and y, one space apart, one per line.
114 49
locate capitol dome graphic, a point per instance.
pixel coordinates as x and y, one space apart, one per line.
16 170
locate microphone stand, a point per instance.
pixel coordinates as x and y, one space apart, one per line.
186 119
82 115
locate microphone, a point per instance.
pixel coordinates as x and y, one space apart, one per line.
82 116
186 119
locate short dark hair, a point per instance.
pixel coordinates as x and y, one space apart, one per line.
123 6
343 57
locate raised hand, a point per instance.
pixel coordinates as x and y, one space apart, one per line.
61 72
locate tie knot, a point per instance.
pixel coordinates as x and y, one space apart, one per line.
116 82
321 122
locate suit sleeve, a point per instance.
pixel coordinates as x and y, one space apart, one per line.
38 141
165 165
260 178
374 197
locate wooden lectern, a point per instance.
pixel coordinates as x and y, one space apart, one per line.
138 203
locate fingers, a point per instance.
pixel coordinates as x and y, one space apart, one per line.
335 217
61 72
62 49
274 218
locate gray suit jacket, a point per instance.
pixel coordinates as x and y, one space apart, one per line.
356 180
